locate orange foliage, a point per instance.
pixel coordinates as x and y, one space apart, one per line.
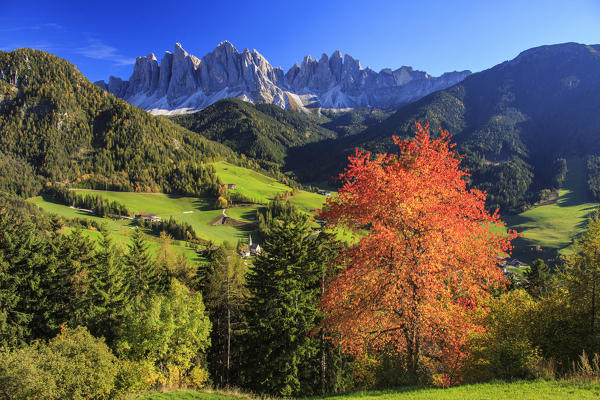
425 259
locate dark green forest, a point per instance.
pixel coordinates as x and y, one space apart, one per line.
512 122
261 131
59 127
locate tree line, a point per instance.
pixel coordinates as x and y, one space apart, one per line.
158 320
94 202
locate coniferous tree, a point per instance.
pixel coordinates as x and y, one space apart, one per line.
538 278
144 276
174 265
284 288
21 257
109 291
65 281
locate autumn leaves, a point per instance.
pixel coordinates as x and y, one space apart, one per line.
425 259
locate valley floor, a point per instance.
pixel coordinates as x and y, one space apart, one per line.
519 390
197 211
554 226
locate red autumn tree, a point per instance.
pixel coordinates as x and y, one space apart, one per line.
425 257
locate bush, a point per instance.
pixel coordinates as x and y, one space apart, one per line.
504 350
73 365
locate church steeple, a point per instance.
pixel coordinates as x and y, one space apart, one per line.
249 240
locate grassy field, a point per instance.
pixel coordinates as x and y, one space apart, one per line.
258 187
308 201
195 211
262 188
120 230
554 226
521 390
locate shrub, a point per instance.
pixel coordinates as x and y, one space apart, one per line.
73 365
504 350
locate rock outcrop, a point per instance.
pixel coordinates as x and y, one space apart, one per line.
184 83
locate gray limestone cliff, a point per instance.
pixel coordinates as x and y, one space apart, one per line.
184 83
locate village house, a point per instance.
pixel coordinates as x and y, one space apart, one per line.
147 217
511 262
509 265
228 186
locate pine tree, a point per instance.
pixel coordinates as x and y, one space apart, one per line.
174 265
21 257
538 278
144 276
284 288
66 281
110 290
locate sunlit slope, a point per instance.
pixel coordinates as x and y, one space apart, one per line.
555 225
195 211
120 231
250 183
262 188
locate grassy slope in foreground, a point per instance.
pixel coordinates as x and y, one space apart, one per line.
554 226
522 390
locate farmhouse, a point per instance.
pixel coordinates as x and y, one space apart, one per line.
147 217
228 186
511 262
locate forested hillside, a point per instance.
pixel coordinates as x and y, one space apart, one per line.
513 121
59 127
261 131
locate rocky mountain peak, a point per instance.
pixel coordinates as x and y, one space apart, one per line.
183 82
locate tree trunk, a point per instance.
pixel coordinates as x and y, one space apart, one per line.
413 354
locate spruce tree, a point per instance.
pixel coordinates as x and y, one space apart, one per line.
110 289
144 275
284 288
538 278
65 281
21 258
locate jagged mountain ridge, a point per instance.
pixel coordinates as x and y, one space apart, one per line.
183 82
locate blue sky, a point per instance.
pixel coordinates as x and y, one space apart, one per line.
103 38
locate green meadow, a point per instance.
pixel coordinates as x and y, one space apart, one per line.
554 226
198 212
262 188
257 186
521 390
120 230
195 211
